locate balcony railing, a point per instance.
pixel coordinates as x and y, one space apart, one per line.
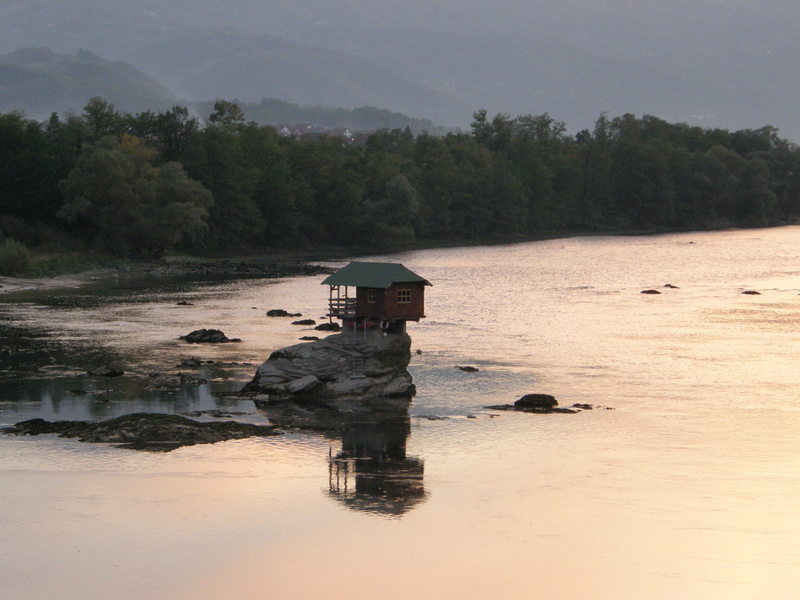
342 307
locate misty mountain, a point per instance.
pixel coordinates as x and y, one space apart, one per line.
271 111
215 61
223 63
725 63
40 81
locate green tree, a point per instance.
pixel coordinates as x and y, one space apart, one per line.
101 119
216 158
227 115
389 222
755 200
119 198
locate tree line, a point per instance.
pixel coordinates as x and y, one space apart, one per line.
137 185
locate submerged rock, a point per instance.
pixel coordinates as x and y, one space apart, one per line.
144 431
751 293
468 369
649 292
345 371
167 381
279 312
105 371
208 336
191 363
334 326
534 403
304 322
216 413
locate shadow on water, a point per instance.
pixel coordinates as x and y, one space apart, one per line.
372 472
30 351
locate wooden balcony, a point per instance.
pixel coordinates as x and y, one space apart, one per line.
341 308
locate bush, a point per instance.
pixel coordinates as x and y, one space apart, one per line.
15 258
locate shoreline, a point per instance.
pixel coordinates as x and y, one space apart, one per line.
262 266
10 285
273 263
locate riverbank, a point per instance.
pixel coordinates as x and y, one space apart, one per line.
57 271
20 284
265 266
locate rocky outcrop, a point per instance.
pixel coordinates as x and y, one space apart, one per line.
345 372
144 431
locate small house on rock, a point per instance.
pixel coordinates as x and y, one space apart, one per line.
386 296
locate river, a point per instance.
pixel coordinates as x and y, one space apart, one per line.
686 487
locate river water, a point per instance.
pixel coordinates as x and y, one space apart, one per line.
688 488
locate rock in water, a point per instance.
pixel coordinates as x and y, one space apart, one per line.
143 431
345 371
536 402
279 312
208 336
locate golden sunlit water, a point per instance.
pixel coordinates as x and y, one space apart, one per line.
687 489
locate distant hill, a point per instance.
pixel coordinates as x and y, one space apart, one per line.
222 63
201 58
40 81
271 111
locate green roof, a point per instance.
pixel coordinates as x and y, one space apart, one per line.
373 275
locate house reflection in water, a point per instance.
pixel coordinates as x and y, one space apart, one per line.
372 471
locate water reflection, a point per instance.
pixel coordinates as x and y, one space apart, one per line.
372 472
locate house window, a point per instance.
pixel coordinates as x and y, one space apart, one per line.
371 296
404 296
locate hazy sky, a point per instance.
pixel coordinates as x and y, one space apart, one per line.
728 63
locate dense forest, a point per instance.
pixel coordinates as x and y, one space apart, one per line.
137 185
